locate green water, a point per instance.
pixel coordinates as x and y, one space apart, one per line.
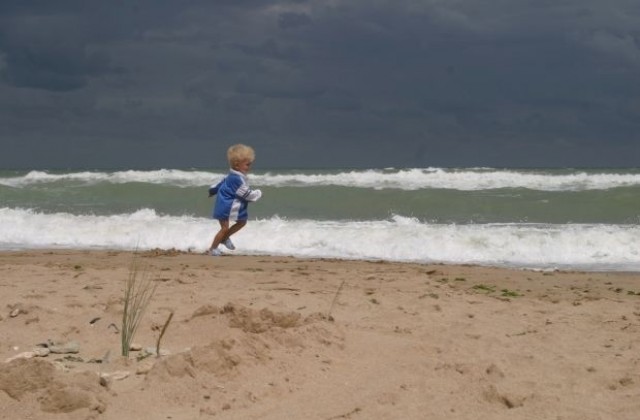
612 206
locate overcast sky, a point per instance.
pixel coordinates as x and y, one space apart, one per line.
319 83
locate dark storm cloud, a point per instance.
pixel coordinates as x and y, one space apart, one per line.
387 83
289 20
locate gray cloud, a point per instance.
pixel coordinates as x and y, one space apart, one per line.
288 20
387 83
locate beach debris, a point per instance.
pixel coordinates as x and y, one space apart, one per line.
107 378
158 252
335 299
70 347
41 352
105 359
117 375
164 329
152 351
37 352
16 310
71 358
94 320
115 327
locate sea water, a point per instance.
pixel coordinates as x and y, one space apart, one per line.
569 218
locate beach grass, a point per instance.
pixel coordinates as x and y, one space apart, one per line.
138 292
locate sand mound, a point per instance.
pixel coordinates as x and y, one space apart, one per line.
261 333
25 375
216 358
57 391
244 341
252 321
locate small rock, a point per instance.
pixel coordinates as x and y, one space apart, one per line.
135 347
144 368
70 347
151 351
39 352
15 312
23 355
116 376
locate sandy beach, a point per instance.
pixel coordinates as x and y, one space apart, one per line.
255 337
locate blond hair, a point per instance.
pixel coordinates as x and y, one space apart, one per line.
239 153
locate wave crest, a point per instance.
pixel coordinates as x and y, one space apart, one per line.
612 247
471 179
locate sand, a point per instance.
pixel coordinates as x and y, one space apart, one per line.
255 337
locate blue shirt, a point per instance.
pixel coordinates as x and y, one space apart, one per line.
232 197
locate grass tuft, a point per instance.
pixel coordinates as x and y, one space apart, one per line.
138 291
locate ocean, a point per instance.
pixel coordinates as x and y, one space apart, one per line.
586 219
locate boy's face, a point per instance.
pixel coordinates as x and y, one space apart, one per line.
244 166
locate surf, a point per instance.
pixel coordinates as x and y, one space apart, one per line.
411 179
403 239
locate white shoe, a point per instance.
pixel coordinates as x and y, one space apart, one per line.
229 244
215 252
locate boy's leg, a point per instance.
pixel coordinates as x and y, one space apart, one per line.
221 235
233 229
236 227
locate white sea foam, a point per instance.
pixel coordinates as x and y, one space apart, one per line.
407 179
461 179
174 177
595 247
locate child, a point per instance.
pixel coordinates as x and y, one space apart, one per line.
233 197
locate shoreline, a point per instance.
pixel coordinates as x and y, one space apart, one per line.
272 337
174 252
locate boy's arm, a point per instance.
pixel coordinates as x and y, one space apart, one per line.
248 194
213 189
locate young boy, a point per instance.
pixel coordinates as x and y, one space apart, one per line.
233 197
